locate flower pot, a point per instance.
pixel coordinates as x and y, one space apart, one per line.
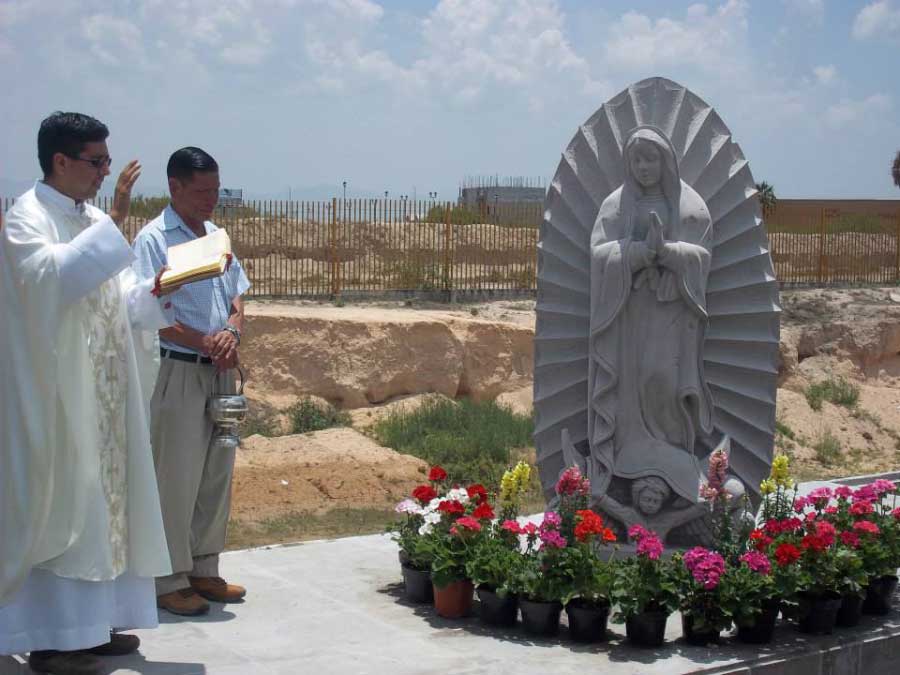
417 584
495 610
695 637
762 630
540 618
454 600
647 629
587 621
850 612
879 595
818 612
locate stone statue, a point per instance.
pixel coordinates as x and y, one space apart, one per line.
639 313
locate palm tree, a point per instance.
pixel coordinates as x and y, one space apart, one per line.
766 194
896 169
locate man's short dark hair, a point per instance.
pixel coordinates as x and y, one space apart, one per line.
67 132
895 170
185 162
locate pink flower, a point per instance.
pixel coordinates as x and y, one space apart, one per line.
553 539
826 531
551 521
843 492
831 510
865 493
468 523
850 539
882 486
649 544
407 506
758 562
638 531
512 526
800 503
716 476
529 529
861 508
705 566
866 526
896 513
571 483
820 496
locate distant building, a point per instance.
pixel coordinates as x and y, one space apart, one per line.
481 192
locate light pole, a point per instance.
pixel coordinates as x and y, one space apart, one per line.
345 190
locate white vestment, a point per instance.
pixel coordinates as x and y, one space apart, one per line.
80 524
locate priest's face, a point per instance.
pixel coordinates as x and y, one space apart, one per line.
81 176
196 198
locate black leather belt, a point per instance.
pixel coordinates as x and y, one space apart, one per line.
183 356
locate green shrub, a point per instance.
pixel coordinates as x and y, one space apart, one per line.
784 430
828 449
306 415
838 391
472 441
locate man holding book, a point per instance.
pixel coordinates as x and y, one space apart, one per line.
199 354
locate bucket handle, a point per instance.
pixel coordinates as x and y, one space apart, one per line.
240 390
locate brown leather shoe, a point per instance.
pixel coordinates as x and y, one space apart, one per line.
216 589
64 663
119 644
184 602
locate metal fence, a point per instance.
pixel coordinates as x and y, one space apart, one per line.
334 247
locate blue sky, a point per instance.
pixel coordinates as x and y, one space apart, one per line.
413 96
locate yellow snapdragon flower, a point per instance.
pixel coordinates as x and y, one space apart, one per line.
514 483
781 471
767 487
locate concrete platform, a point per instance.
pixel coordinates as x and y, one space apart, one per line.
337 607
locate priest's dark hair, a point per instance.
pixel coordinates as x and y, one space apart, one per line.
67 132
183 163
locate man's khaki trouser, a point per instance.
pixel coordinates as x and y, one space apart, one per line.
194 479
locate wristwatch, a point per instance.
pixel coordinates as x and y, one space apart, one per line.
234 331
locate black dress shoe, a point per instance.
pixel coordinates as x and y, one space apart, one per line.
119 644
64 663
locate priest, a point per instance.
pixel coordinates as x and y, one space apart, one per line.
80 518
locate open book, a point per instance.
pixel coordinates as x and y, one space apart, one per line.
202 258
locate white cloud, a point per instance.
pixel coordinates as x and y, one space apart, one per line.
825 74
706 39
112 40
847 111
878 19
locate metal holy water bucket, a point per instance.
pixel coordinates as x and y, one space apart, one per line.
227 412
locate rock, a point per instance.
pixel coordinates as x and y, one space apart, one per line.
520 401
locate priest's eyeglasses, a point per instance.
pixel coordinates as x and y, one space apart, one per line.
98 163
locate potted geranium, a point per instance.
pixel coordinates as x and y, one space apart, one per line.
543 579
415 553
644 589
704 614
879 540
588 601
493 566
750 595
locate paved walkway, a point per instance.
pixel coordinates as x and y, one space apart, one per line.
337 607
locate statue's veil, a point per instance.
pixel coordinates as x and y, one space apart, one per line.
741 348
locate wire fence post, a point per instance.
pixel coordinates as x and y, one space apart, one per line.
897 237
448 243
822 234
332 250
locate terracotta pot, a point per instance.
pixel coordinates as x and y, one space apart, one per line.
454 600
762 630
880 595
540 618
417 584
818 612
647 629
850 613
495 610
695 637
587 621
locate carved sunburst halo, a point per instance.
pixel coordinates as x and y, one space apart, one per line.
741 347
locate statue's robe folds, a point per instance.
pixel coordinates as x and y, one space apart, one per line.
80 521
647 397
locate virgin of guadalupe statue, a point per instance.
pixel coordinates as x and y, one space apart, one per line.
650 259
657 332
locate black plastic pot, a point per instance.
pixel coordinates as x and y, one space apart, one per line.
495 610
762 630
647 629
850 612
880 595
417 584
695 637
540 618
587 621
818 613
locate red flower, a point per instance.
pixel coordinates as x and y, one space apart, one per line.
468 523
436 474
452 507
866 526
483 511
512 526
831 510
814 542
786 554
760 540
826 531
589 524
608 534
850 539
862 508
477 493
530 529
424 493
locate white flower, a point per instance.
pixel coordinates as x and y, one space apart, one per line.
408 506
426 528
432 518
458 494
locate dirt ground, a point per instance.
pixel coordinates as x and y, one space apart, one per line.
340 481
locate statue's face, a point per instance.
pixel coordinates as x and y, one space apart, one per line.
650 502
646 164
